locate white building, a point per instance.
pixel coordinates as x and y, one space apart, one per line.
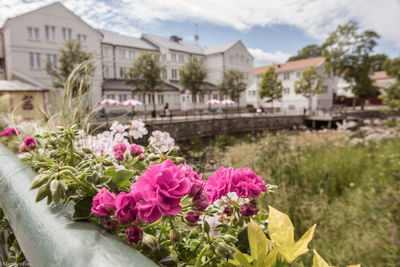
29 41
288 73
35 38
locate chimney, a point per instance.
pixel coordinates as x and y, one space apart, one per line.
175 38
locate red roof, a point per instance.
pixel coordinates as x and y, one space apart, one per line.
292 65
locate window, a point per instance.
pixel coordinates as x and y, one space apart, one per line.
106 72
33 33
241 60
111 96
231 59
173 57
298 74
163 58
50 33
38 61
180 57
286 90
286 76
121 53
164 74
32 60
122 98
247 62
236 59
67 34
105 51
201 98
122 71
131 54
160 99
51 59
82 38
174 74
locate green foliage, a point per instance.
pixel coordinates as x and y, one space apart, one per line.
391 97
392 67
145 75
309 84
378 61
270 85
71 57
222 141
232 84
308 51
351 192
192 76
347 54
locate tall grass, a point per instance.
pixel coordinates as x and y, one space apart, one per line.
351 192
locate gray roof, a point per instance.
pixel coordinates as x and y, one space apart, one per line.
219 48
125 40
7 85
187 47
120 85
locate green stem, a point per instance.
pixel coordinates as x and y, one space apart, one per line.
198 261
153 224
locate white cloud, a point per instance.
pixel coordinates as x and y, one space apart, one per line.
262 58
315 17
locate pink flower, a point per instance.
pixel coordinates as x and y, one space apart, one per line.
245 183
30 142
200 201
135 150
192 216
126 207
219 184
119 150
248 210
133 234
21 148
197 183
159 191
103 203
111 224
9 131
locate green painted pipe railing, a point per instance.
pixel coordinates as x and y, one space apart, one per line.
47 235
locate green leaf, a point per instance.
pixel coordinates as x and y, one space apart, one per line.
110 171
121 178
258 241
241 258
206 227
82 209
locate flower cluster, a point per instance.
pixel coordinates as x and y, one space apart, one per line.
9 131
244 182
29 144
161 141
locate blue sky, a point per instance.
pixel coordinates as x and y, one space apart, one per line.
271 30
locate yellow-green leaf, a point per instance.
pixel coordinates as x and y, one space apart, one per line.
241 258
257 240
281 231
318 261
271 258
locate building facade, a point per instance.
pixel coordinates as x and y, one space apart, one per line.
290 72
32 40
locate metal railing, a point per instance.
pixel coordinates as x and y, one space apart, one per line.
47 235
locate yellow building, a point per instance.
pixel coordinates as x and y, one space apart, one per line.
28 101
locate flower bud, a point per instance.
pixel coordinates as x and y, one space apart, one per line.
192 216
134 234
173 149
223 250
230 238
228 211
175 236
150 241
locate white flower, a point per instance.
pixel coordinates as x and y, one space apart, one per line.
137 129
119 128
161 141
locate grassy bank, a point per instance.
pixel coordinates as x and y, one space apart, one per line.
351 191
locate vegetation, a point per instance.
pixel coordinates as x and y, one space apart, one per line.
350 192
309 84
232 85
192 77
347 54
71 57
145 75
270 85
308 51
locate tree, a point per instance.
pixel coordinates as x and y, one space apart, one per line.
309 84
347 54
145 75
270 86
392 67
71 57
377 61
192 76
391 98
308 51
232 85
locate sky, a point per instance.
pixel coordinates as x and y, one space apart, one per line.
272 30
